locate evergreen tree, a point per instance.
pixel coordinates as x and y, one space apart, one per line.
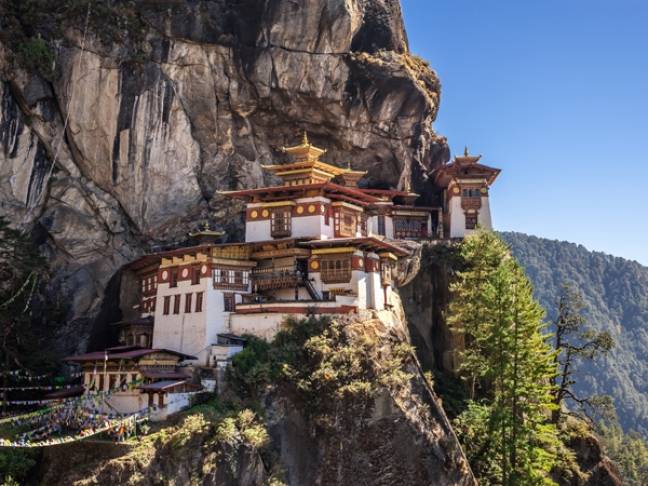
629 451
508 365
575 341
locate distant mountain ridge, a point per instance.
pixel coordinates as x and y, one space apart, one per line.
616 293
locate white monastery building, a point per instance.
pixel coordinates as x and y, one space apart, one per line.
317 243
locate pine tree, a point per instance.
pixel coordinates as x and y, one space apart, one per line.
574 342
508 365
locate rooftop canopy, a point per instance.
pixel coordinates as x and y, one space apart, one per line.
465 166
306 167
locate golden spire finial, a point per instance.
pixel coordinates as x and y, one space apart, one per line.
407 186
305 138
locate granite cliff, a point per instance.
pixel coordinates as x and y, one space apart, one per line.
121 120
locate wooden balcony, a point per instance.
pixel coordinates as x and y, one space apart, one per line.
275 278
330 276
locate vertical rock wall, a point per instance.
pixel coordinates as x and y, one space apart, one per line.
128 140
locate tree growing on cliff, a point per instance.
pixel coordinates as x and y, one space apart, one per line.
575 341
508 365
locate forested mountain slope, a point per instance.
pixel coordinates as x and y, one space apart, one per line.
616 293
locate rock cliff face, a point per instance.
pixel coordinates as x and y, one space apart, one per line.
142 111
398 435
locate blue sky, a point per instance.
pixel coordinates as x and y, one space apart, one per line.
554 92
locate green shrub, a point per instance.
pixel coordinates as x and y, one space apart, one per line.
16 464
36 55
317 363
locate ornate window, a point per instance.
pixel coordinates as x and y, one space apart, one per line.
336 270
405 228
280 222
221 276
231 279
471 192
346 223
471 198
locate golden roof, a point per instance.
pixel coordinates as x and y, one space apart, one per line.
304 151
305 159
467 158
206 231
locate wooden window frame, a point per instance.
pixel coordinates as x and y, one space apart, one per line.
195 276
413 227
176 304
229 302
199 301
188 303
471 220
167 305
173 277
343 228
336 269
281 227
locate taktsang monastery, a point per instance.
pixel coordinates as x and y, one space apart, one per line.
315 244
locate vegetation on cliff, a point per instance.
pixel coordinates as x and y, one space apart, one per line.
508 367
615 297
613 300
320 366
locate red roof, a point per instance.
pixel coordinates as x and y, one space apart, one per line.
389 192
464 167
160 375
161 385
123 352
367 241
328 186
